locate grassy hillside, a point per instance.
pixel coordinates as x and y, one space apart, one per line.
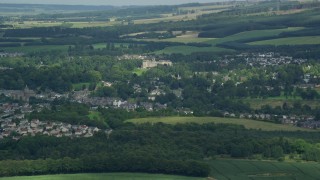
232 169
250 124
104 176
214 41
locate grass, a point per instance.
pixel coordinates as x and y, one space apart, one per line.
253 34
139 71
95 115
174 18
104 176
186 50
222 169
181 40
32 24
289 41
249 124
233 169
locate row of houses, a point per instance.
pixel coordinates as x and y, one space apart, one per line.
36 127
105 102
305 121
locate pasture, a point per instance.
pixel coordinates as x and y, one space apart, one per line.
247 123
214 41
289 41
186 50
104 176
233 169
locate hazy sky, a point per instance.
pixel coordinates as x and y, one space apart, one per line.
105 2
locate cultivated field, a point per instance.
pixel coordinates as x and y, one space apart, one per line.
249 124
233 169
290 41
104 176
214 41
191 49
254 34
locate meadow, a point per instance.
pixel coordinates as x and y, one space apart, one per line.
289 41
235 169
222 169
215 41
247 123
104 176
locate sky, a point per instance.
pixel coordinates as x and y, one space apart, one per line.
106 2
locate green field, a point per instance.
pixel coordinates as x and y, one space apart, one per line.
191 49
221 169
214 41
104 176
289 41
233 169
249 124
253 34
139 71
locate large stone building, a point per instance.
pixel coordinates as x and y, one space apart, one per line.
23 95
150 64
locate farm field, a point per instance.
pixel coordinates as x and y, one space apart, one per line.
249 124
214 41
104 176
253 34
233 169
33 24
191 49
289 41
170 17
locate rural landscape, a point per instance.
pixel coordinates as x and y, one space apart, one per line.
221 90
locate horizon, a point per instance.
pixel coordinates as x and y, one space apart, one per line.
103 2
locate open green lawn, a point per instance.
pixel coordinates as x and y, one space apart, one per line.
94 115
139 71
250 124
289 41
233 169
104 176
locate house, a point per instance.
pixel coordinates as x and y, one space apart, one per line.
34 123
78 132
64 129
88 135
49 126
